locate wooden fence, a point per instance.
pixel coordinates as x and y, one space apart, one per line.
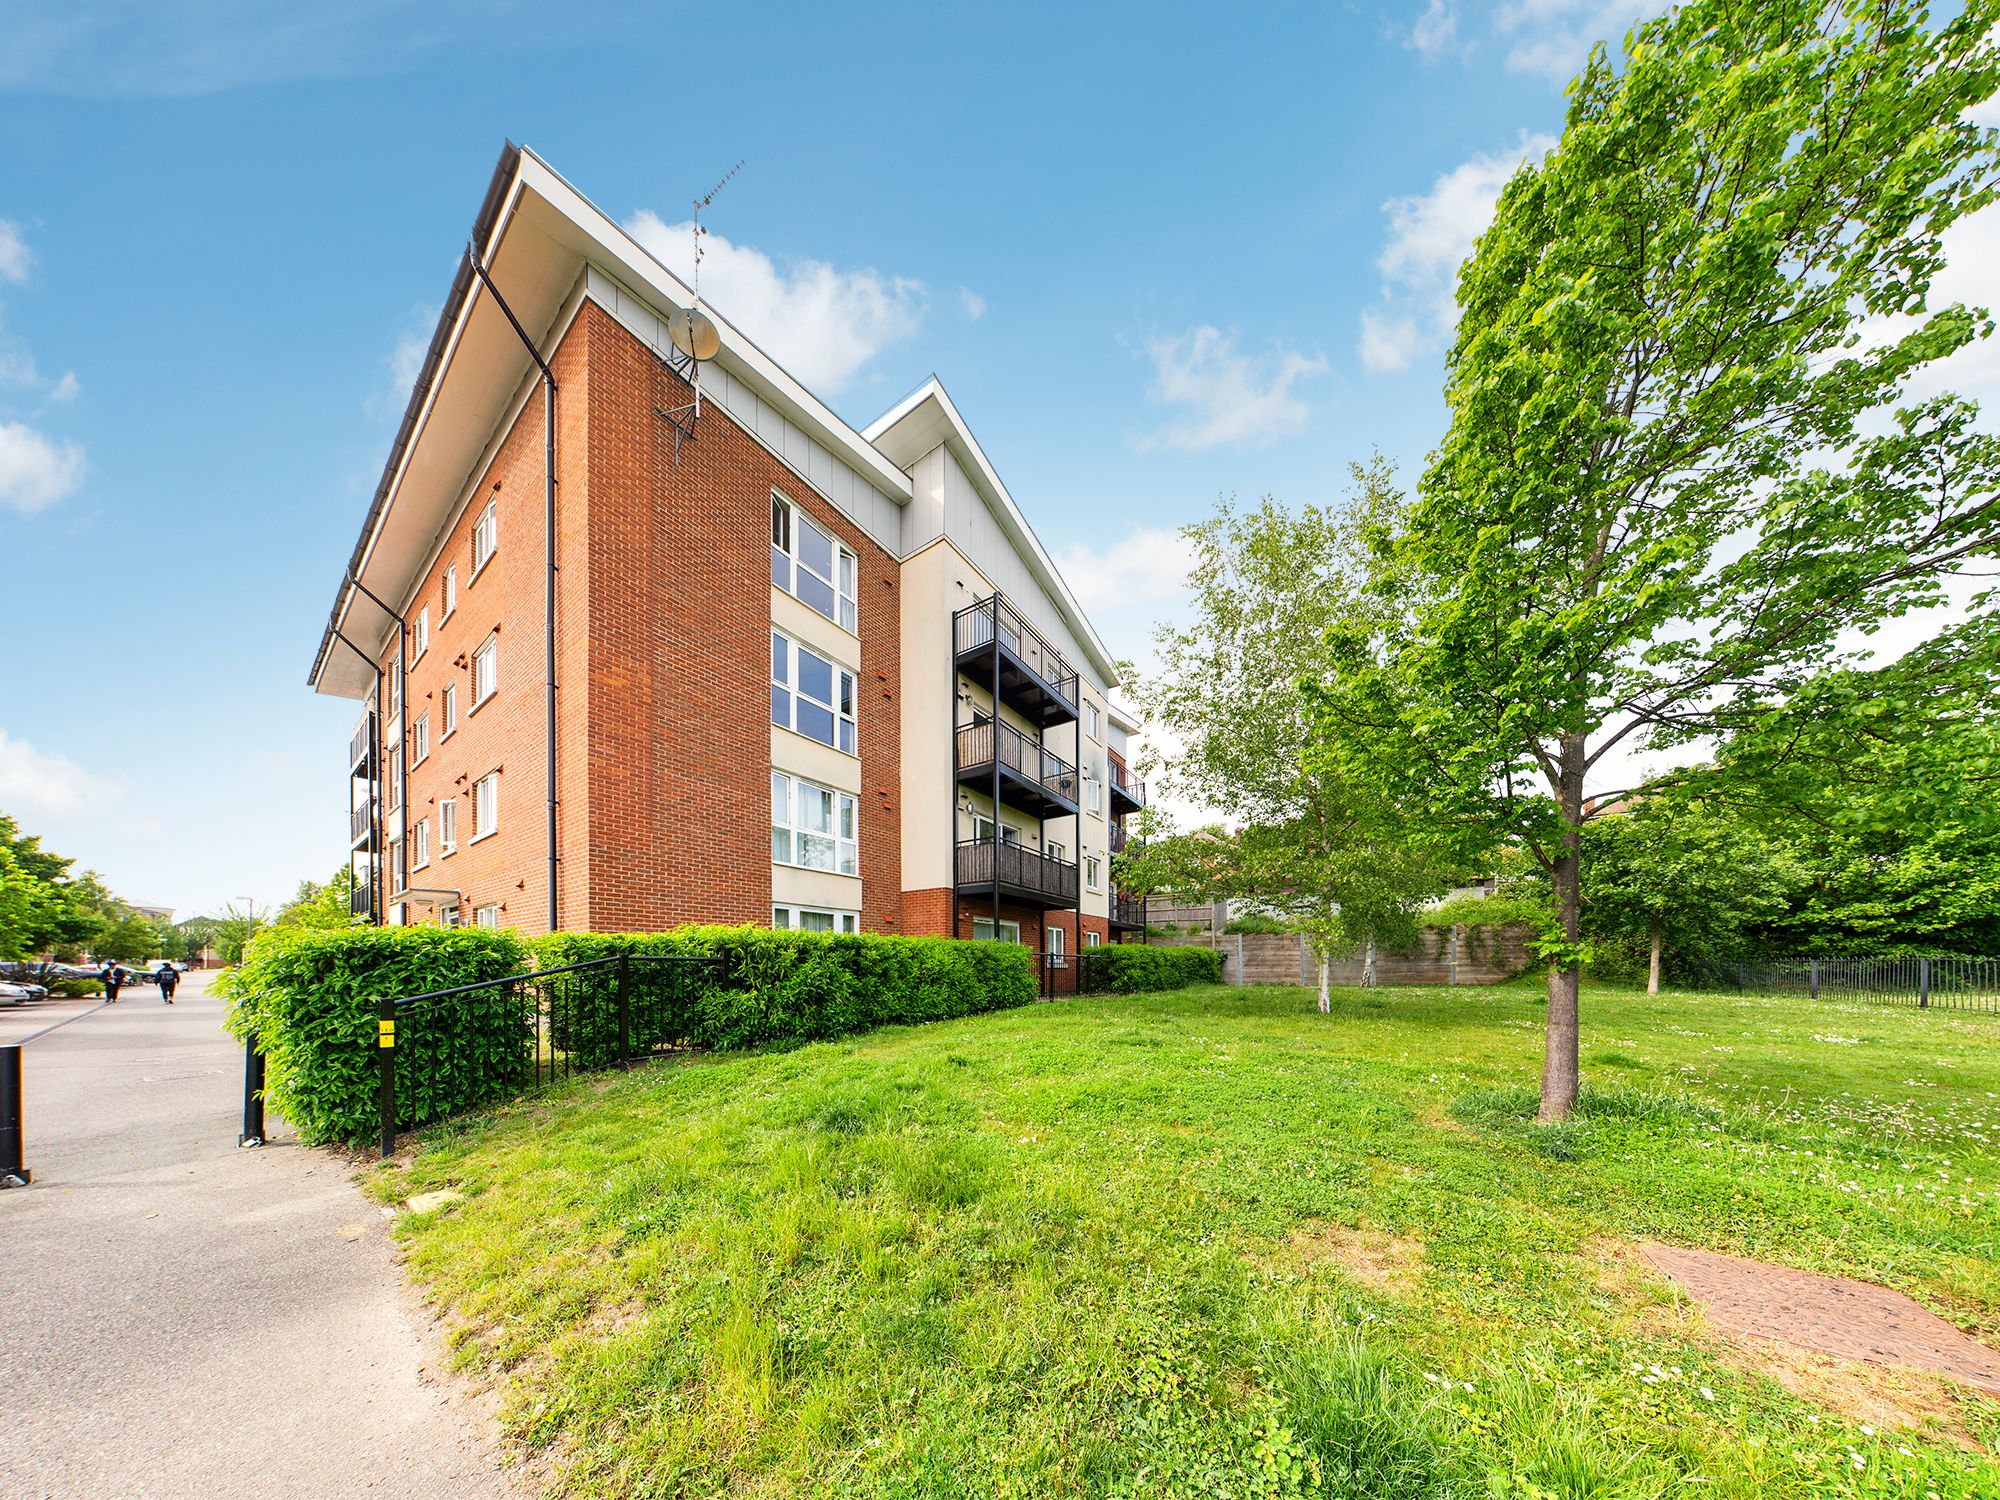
1455 955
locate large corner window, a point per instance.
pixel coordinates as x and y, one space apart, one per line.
805 919
811 695
810 565
812 826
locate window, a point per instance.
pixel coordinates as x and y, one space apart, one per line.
486 916
982 831
812 826
447 826
982 930
1057 937
420 844
485 537
485 669
485 805
450 710
803 919
1093 793
395 691
395 778
1093 872
420 636
448 914
1092 939
809 565
1054 850
423 739
450 591
811 695
1090 723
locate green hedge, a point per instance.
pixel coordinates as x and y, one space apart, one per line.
1132 968
310 996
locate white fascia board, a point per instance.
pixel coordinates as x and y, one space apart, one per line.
742 357
974 460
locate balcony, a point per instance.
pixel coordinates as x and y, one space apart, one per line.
359 762
1031 777
361 825
1020 874
1120 839
361 900
1128 787
1128 911
996 648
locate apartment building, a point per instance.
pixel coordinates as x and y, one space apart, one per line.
644 640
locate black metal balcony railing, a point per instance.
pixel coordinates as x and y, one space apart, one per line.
1053 780
1017 871
975 627
360 743
1119 837
361 899
1128 911
1125 784
361 821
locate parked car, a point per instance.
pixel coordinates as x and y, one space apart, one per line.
19 994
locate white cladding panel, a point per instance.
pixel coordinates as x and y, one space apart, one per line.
880 515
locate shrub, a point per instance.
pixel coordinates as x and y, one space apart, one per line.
1129 968
1498 910
310 996
61 987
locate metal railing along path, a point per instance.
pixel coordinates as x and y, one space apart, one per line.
1945 983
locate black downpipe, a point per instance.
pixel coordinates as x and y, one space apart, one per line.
549 522
402 720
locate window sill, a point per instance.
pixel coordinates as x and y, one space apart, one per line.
481 703
448 853
481 567
479 836
781 864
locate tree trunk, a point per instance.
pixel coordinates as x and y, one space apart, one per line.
1653 970
1368 963
1325 998
1559 1056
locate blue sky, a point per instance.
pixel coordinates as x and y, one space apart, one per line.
1158 253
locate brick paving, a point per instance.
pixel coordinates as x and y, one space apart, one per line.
1830 1314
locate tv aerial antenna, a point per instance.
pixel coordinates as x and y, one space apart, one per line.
690 330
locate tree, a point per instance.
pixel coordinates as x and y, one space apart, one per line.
1676 475
44 908
132 938
317 905
231 932
1329 851
1680 871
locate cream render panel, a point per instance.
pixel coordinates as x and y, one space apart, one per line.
809 627
796 755
791 886
936 582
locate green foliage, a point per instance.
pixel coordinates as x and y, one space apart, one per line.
129 938
64 988
310 997
1134 968
43 907
1501 909
317 905
1255 922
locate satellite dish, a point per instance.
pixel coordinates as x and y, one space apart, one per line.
692 333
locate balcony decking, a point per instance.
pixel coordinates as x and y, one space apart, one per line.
1128 792
1021 874
1033 778
1128 912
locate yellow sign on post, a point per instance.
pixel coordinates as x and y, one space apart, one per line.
387 1033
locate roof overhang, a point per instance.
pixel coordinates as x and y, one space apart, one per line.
426 895
926 418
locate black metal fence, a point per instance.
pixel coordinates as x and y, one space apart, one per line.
1922 983
453 1050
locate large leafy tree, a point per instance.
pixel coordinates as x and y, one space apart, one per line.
1333 852
320 905
1676 475
43 907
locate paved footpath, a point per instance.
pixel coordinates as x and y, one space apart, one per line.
183 1319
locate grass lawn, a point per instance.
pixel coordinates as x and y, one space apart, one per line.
1214 1243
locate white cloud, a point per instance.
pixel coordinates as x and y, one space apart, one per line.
1226 396
67 388
35 784
1149 567
15 257
1430 235
1553 37
35 472
820 323
17 360
406 360
1970 275
971 303
1435 29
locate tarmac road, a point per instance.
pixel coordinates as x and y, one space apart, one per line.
185 1319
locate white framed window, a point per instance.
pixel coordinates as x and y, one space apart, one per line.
1091 726
449 703
810 565
1093 939
420 634
485 806
395 691
486 916
1093 872
806 919
448 915
1057 936
485 669
811 695
982 930
982 831
1055 850
812 826
395 778
423 741
1093 794
450 591
447 826
485 536
420 844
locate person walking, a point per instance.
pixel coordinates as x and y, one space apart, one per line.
111 976
167 977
